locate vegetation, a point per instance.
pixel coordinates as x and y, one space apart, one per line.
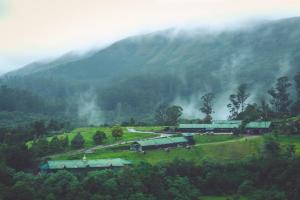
99 137
255 178
207 106
117 131
78 141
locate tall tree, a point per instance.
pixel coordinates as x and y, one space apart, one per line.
280 96
265 109
207 106
296 106
238 101
160 114
173 114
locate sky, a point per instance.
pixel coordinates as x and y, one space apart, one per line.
37 29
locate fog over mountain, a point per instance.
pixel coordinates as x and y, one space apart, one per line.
131 77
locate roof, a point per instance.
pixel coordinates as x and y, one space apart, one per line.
227 122
74 164
207 126
187 134
259 124
161 141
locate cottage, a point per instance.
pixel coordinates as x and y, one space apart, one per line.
258 127
158 143
83 165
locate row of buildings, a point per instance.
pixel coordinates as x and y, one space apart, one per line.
185 139
227 126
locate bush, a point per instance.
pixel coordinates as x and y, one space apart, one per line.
117 131
98 137
77 141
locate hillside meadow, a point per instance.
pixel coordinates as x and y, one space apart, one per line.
88 133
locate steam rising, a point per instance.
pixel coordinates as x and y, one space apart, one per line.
88 110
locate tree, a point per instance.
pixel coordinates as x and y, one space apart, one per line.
78 141
53 125
160 114
39 128
251 113
64 141
296 106
55 145
117 131
172 115
265 109
238 101
207 104
280 96
98 137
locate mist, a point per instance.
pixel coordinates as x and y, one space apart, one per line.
88 111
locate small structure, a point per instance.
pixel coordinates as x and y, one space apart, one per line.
158 143
258 127
83 165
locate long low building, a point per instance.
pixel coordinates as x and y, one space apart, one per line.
83 165
226 126
258 127
207 127
159 143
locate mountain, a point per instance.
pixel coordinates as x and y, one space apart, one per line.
131 77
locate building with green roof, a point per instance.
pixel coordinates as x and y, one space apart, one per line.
83 165
239 122
222 127
159 143
258 127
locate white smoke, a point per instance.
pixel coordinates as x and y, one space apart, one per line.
88 109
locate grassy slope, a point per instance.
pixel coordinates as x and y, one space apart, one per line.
290 139
88 133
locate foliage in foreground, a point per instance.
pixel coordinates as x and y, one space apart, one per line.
272 176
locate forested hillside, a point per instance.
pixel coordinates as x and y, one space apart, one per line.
134 76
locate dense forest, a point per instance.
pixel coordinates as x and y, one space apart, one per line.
134 76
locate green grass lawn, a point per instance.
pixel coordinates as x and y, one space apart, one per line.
149 128
290 139
88 133
228 150
214 138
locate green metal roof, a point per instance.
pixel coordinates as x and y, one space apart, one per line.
207 126
187 134
74 164
227 122
260 124
162 141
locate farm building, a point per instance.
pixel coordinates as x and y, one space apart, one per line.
202 128
83 165
239 122
159 143
258 127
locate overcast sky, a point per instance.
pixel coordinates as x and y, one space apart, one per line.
35 29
